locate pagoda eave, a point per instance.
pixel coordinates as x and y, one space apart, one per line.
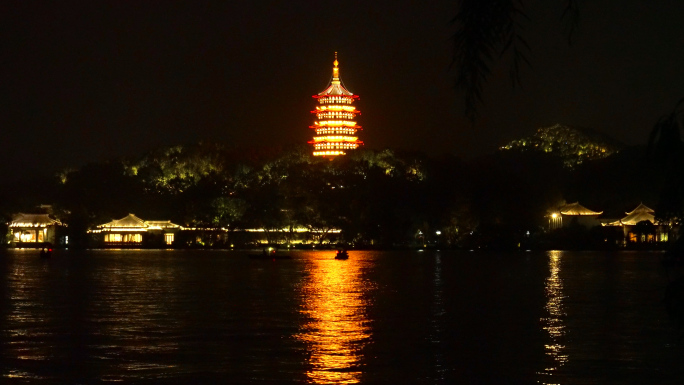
324 142
329 96
347 127
355 112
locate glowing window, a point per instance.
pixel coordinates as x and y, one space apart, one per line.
133 238
112 237
27 236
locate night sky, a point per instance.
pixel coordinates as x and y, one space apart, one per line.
92 80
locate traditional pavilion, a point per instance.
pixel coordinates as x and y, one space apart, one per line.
640 226
639 214
336 129
34 230
131 231
571 214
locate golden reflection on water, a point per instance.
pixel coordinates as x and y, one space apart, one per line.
335 303
554 321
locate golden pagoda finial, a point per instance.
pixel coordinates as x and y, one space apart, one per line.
336 71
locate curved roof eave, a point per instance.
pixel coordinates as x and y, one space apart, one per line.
335 90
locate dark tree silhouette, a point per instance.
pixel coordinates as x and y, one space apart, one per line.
665 141
667 150
486 30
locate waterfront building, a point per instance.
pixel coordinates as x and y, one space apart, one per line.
35 230
640 226
573 214
335 126
131 231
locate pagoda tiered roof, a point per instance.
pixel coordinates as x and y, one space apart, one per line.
335 89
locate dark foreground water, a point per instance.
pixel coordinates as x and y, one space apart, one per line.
189 317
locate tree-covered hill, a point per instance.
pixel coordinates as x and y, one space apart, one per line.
572 144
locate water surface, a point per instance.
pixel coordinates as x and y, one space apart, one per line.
179 317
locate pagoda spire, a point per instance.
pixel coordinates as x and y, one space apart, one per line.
336 71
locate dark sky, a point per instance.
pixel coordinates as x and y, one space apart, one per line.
94 80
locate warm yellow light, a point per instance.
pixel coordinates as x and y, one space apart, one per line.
335 115
336 328
335 99
335 138
335 130
328 153
123 238
333 123
554 215
336 107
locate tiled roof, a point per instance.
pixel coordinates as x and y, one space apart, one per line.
33 220
162 224
134 222
127 221
336 88
641 213
577 209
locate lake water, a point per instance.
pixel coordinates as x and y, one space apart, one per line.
409 317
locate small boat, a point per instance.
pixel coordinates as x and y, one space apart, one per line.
46 252
342 254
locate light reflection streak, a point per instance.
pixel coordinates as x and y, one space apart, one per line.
17 374
134 320
337 331
554 321
25 321
436 321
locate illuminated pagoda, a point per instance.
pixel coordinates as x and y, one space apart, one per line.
336 129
